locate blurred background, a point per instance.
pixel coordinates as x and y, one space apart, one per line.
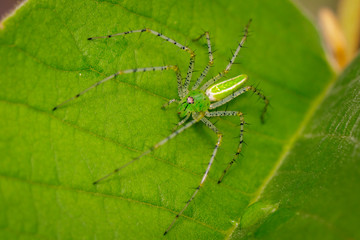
6 6
338 21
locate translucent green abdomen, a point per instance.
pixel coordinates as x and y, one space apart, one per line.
223 89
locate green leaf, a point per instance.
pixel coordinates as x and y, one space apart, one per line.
48 160
313 191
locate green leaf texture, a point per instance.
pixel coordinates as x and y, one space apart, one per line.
313 192
288 179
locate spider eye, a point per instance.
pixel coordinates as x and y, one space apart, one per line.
190 100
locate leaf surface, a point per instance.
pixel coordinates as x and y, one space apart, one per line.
50 159
313 191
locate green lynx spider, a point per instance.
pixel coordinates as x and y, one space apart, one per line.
195 103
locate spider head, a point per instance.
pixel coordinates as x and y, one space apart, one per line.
195 101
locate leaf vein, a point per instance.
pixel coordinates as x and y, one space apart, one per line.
104 195
112 141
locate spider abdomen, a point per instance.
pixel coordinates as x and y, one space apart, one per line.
223 89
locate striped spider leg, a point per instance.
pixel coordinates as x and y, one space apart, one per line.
148 69
232 113
242 122
182 89
210 63
217 145
195 103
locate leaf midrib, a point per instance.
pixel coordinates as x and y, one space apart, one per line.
288 147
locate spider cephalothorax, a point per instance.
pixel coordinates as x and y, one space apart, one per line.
195 101
198 102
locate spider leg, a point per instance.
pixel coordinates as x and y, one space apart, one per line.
181 122
239 92
159 144
242 122
228 67
166 105
148 30
184 88
179 82
212 127
211 60
266 100
148 69
189 75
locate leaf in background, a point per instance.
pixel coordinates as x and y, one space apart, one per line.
49 159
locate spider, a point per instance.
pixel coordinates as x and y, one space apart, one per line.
194 103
